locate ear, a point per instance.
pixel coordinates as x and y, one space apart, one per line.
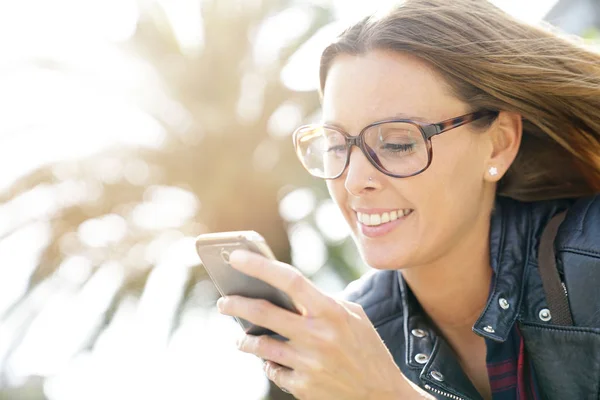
505 137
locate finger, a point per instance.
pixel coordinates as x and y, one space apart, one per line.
307 297
262 313
283 377
269 349
354 308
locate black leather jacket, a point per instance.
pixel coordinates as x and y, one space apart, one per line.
566 360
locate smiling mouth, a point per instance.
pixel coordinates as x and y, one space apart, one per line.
383 218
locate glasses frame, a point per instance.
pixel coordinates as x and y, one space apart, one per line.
427 131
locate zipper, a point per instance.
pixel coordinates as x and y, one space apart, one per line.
565 288
449 395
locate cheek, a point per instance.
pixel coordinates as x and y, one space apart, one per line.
337 191
455 179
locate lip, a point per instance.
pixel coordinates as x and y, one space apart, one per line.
377 210
383 229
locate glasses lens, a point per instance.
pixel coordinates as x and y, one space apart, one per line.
398 147
321 150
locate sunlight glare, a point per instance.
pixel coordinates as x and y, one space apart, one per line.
158 303
165 207
20 252
68 124
185 17
309 253
66 323
297 204
285 119
331 221
251 101
279 31
38 203
74 269
103 231
301 73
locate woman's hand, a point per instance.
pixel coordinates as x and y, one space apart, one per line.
333 352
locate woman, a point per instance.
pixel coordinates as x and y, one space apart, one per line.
449 212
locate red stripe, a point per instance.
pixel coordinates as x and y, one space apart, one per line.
503 384
502 368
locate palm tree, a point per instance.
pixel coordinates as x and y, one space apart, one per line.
223 161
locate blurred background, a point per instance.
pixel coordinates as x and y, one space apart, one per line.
128 127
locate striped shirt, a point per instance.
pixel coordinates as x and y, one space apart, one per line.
510 371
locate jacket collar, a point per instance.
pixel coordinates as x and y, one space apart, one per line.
430 356
510 240
514 230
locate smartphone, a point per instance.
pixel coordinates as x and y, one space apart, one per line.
214 250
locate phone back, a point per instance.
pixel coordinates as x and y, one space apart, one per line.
214 250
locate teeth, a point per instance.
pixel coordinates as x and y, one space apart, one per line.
375 219
385 217
378 219
361 218
365 219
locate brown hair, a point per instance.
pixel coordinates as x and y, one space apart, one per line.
493 62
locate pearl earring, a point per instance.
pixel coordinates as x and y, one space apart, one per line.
493 171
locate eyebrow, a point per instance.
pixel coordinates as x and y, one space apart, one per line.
411 117
395 116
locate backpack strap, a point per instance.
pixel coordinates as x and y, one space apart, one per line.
555 292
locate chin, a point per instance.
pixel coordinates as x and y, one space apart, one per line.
384 260
379 255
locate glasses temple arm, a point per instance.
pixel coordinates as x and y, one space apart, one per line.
436 129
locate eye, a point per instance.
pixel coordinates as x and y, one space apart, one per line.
397 137
334 142
400 147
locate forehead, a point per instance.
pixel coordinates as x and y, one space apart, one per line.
384 84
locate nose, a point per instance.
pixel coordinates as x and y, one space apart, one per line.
358 172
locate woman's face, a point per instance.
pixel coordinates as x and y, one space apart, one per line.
442 203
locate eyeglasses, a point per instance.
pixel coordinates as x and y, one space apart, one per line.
398 147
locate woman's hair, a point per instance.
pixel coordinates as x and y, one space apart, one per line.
492 61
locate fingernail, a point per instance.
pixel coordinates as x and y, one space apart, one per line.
221 303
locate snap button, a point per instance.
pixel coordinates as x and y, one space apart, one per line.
489 329
437 376
545 315
422 358
503 303
420 333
